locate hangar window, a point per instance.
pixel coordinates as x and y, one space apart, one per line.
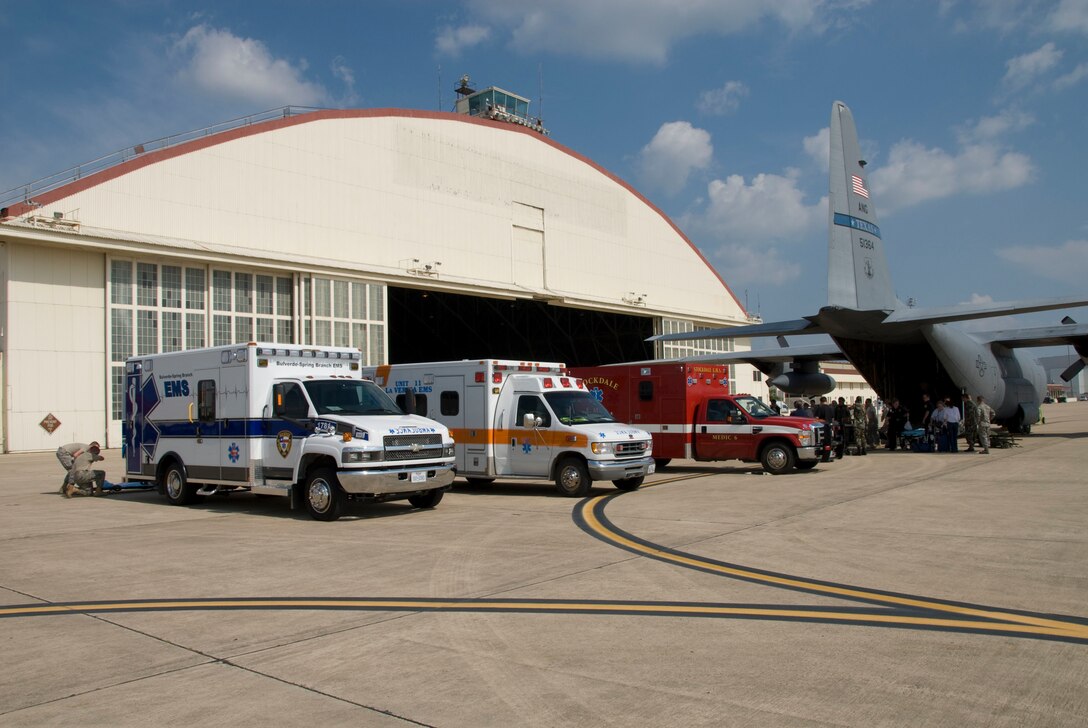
336 312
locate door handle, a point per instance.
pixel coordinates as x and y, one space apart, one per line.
703 431
756 430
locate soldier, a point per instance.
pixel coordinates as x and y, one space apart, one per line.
872 427
859 421
67 455
985 415
83 480
970 422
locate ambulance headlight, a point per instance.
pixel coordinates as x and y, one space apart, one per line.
354 455
601 448
447 451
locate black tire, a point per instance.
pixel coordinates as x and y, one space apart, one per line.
777 458
322 494
572 477
473 480
426 500
177 488
806 465
662 463
629 483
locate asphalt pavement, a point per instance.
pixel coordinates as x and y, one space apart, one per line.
892 589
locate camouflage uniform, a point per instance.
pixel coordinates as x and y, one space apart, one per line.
859 421
970 422
985 414
83 480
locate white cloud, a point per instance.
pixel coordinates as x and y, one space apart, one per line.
818 147
221 64
915 174
740 264
1070 15
722 101
1022 70
676 150
990 128
645 30
771 207
1072 78
451 41
1067 262
344 72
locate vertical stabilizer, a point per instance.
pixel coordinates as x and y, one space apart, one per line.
857 268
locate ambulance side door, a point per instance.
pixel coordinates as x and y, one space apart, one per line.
531 448
204 464
233 397
722 431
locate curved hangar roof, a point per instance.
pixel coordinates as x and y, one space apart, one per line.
386 192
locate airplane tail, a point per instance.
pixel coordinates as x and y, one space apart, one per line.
857 270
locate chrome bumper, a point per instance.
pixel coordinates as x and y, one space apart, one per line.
809 453
382 482
619 469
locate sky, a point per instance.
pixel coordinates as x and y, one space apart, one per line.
971 114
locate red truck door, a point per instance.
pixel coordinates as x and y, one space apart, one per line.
723 431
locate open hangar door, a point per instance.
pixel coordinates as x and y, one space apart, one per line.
439 326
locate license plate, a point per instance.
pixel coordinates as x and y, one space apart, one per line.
420 477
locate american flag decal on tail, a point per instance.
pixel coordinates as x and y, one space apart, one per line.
859 186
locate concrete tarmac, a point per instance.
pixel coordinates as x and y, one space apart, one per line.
886 590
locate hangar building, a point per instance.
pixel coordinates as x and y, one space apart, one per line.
411 235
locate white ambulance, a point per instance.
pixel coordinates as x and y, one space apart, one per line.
277 419
515 419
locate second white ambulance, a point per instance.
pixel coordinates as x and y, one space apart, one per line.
514 419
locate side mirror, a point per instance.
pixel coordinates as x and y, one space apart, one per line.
531 421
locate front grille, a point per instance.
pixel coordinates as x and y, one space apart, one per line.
412 447
631 449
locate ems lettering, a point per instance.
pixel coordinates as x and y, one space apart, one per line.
175 388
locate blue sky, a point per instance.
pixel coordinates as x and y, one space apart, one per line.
972 114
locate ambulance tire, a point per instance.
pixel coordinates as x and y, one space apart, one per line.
572 477
628 483
777 458
426 500
177 488
806 465
322 494
662 463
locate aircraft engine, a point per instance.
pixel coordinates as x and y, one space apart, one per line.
809 384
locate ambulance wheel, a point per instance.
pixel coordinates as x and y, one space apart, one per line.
777 458
662 463
572 478
426 500
806 465
176 486
324 499
628 483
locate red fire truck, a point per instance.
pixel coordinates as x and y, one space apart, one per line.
689 411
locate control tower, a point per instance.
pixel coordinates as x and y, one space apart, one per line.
495 103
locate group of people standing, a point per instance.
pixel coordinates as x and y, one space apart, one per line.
941 419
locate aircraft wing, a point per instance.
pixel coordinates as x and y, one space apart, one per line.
774 328
765 360
966 312
1063 335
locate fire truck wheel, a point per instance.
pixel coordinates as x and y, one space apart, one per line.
572 478
426 500
177 488
777 458
662 463
806 465
628 483
324 499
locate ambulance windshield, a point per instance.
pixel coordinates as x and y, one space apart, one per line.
578 408
755 408
350 397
